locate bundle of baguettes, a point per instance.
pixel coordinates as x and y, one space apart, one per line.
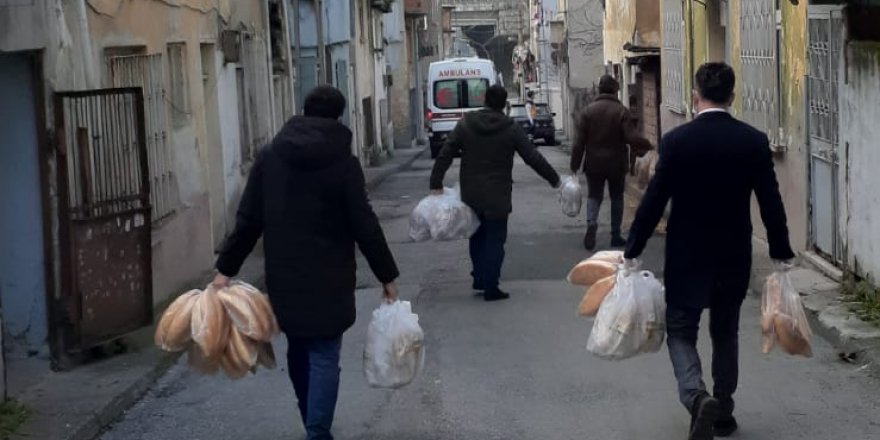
598 274
227 329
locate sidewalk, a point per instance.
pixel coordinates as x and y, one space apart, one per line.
857 341
79 404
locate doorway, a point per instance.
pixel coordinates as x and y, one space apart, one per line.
824 51
22 255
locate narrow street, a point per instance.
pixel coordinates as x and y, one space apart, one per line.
515 369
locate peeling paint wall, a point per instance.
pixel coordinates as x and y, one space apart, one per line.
859 134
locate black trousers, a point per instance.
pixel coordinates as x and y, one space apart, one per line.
487 252
682 326
596 192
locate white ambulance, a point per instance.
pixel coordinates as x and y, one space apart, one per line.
455 87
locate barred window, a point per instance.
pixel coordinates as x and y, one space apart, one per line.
760 67
673 62
146 72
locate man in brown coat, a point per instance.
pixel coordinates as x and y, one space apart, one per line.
605 128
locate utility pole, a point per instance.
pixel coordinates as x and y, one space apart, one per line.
319 25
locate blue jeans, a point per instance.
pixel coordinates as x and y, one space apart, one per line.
487 252
682 326
313 365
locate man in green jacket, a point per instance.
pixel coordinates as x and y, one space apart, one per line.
487 140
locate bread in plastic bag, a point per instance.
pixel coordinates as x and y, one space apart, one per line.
443 218
613 257
631 319
210 324
589 271
174 330
249 310
783 320
570 196
395 352
595 295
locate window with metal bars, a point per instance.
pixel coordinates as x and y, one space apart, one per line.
147 72
760 67
673 61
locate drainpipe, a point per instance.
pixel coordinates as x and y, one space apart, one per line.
90 75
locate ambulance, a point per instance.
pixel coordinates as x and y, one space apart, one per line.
455 87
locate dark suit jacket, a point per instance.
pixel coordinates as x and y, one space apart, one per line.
709 168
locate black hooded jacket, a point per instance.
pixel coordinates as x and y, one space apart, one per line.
487 141
306 195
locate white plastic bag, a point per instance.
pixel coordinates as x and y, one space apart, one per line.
443 218
631 319
570 196
395 351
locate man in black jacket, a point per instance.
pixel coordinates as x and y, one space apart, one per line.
487 140
709 169
306 196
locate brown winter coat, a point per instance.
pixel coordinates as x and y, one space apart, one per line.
604 130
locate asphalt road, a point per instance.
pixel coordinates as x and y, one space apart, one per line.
516 369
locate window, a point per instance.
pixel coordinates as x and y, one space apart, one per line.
459 93
760 67
673 62
146 72
244 122
178 84
518 111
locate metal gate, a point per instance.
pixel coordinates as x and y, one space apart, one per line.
824 52
104 210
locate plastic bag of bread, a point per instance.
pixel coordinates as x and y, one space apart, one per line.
395 351
589 271
632 318
174 330
249 311
571 196
783 320
210 324
594 296
443 218
613 257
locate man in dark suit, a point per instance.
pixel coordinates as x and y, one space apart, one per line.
709 168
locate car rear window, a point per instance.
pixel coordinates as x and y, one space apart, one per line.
517 111
460 93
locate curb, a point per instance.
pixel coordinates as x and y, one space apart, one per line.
101 419
393 168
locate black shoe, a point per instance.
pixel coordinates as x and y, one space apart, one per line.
590 238
725 426
618 241
705 414
495 295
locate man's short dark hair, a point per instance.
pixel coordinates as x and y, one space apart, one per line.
608 85
530 94
324 102
496 97
715 82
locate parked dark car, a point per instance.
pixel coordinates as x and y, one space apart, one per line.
545 129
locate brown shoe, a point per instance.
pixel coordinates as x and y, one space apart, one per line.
590 238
